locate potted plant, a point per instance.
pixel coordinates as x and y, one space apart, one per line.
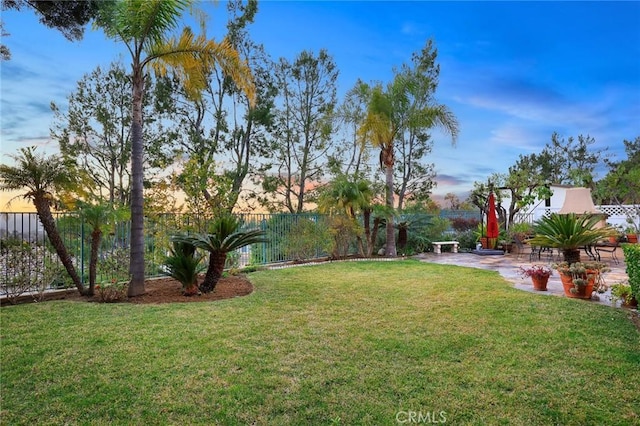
618 233
632 235
568 233
539 275
581 279
623 292
480 234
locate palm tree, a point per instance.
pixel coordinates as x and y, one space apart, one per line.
184 265
389 114
42 177
350 196
569 232
97 216
143 27
223 239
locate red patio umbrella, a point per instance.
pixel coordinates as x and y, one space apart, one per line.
492 222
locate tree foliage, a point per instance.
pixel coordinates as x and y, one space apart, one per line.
302 130
70 17
621 185
145 27
401 114
43 178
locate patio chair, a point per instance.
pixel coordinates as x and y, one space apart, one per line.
522 249
608 248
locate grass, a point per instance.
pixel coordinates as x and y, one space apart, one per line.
342 343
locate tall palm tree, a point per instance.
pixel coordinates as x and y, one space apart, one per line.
143 26
389 114
223 239
42 176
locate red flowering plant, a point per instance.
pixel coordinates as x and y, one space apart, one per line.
536 271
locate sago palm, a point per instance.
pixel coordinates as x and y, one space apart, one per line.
224 238
568 233
184 264
42 177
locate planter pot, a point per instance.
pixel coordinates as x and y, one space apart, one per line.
632 238
484 242
632 304
582 292
540 283
613 240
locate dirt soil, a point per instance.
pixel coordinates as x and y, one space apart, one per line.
167 290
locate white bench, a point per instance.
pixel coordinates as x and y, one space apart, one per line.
437 246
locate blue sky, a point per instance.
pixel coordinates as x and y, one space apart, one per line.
512 72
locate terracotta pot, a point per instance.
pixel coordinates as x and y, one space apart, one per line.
484 242
540 283
632 238
632 304
613 240
582 292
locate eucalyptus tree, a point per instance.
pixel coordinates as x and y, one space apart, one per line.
43 177
406 105
350 156
420 111
302 131
571 161
95 130
222 131
144 27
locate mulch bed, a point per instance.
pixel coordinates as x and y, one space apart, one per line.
163 290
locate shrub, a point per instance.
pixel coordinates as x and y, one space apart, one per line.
307 239
632 260
344 231
463 224
110 292
467 240
25 268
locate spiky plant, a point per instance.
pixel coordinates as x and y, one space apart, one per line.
569 232
184 265
224 238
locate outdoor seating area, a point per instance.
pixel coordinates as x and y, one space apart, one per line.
509 265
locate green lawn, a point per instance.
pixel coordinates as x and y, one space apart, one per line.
342 343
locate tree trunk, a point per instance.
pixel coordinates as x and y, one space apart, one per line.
390 250
366 218
49 224
96 236
402 237
136 266
214 271
571 256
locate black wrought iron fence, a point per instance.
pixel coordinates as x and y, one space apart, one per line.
28 261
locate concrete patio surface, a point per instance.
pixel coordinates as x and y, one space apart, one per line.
508 264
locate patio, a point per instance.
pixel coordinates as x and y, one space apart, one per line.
507 265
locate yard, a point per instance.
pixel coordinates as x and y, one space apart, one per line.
337 343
